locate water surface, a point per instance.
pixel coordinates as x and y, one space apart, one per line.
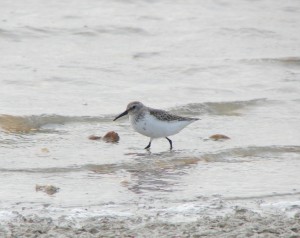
68 68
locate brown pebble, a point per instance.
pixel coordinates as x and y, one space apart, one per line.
111 136
219 137
49 189
93 137
44 150
125 182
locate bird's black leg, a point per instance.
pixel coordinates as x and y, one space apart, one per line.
148 146
171 147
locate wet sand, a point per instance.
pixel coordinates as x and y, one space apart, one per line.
240 223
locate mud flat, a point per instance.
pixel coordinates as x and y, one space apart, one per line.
240 223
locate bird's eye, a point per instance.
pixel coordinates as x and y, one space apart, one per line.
133 107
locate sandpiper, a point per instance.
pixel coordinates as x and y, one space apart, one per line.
154 123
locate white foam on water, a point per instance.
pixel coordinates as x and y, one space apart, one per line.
7 215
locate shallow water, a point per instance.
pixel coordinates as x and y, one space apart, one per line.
67 69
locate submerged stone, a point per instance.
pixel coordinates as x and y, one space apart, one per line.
219 137
110 136
49 189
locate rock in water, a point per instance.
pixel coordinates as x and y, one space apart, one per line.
110 136
219 137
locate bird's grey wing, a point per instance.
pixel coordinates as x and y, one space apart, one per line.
166 116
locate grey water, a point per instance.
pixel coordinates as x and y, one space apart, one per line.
67 68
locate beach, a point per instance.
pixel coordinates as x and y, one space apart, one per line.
68 68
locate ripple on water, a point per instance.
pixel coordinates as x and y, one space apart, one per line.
247 32
218 108
33 123
280 61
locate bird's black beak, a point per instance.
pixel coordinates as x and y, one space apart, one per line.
122 114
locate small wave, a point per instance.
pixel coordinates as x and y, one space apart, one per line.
38 32
264 196
138 167
284 61
242 154
113 30
44 170
128 30
145 55
32 123
19 33
8 34
177 160
26 124
87 33
247 32
217 108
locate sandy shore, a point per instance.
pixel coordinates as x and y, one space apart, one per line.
241 223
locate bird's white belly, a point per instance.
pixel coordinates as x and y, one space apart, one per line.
154 128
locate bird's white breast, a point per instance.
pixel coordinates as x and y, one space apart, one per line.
152 127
